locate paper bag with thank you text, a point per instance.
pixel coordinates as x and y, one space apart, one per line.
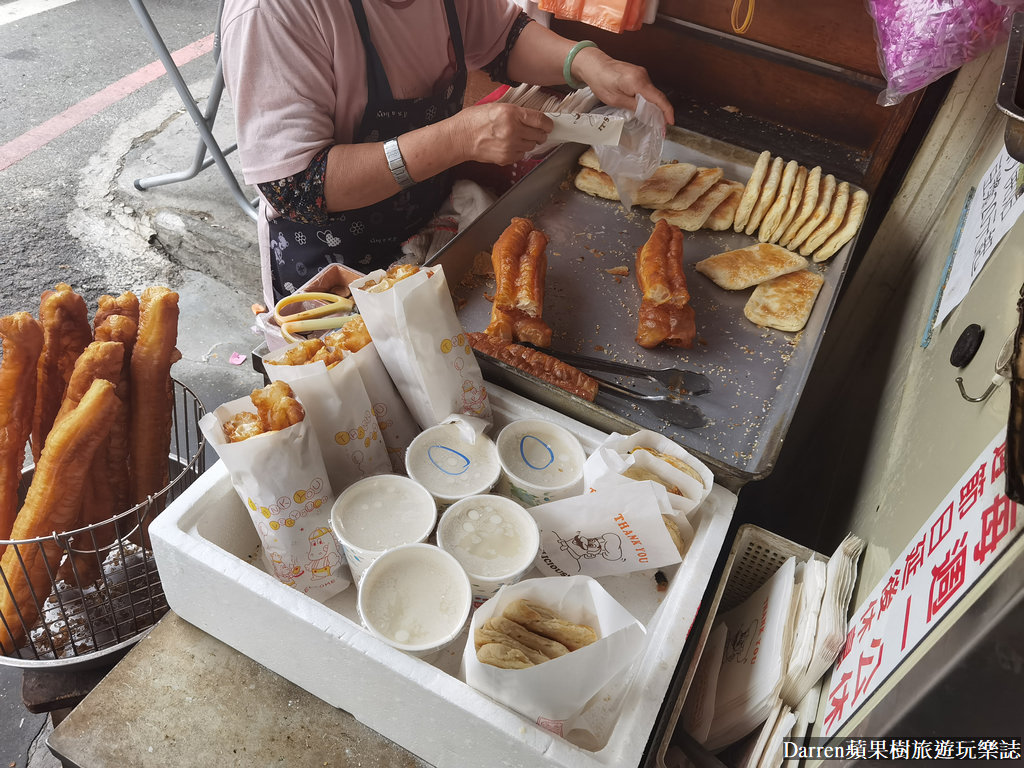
417 334
281 479
616 530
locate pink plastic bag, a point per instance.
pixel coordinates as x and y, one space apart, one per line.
919 41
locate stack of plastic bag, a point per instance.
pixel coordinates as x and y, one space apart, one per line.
919 41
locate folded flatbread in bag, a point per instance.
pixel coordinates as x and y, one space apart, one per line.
648 455
556 693
409 313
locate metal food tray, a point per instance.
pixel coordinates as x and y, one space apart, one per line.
756 374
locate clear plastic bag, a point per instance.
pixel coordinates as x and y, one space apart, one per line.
919 41
638 153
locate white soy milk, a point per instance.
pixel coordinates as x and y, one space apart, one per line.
542 461
450 466
546 459
416 597
381 512
490 535
378 513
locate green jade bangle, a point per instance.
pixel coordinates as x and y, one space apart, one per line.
567 67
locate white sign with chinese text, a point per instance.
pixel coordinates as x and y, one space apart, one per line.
958 543
997 203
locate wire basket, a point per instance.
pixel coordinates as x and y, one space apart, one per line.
104 591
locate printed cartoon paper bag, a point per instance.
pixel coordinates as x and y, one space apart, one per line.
393 417
281 479
555 692
619 529
409 313
340 414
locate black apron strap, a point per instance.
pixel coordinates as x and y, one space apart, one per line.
377 78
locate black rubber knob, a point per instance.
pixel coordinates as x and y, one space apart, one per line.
967 345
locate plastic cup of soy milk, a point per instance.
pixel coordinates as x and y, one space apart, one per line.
494 539
378 513
415 598
451 467
541 461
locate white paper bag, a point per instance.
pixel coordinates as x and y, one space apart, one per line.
552 694
341 414
281 479
606 465
615 530
423 346
393 417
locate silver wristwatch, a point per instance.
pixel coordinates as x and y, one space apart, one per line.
397 164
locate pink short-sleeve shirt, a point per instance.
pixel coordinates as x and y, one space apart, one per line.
296 69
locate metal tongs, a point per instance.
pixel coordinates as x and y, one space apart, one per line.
664 400
679 381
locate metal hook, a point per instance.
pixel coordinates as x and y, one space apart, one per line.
1002 373
984 395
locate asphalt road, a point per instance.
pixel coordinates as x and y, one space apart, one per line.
70 150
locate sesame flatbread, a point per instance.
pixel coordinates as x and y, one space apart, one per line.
778 208
831 223
810 199
597 183
703 180
767 196
796 196
691 219
752 191
854 217
744 267
664 184
722 217
821 209
589 160
784 302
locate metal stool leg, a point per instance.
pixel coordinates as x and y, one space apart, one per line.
204 123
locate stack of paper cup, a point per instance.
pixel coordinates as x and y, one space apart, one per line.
541 461
415 598
494 539
379 513
450 466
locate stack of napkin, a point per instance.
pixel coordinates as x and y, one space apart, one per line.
761 681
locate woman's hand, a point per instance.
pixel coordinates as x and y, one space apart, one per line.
617 83
498 133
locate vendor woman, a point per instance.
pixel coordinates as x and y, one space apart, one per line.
349 115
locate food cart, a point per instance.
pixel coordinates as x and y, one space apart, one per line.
834 122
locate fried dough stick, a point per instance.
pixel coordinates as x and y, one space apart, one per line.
52 502
123 330
277 406
520 265
536 363
22 341
505 261
66 332
100 360
152 394
665 315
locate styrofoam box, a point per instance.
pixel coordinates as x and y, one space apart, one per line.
206 551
